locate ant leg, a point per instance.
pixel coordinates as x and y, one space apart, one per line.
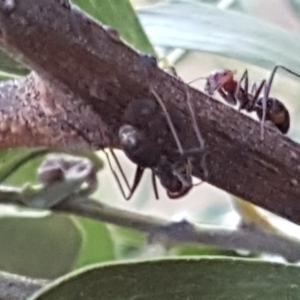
119 167
170 122
224 95
264 106
256 95
154 185
83 135
137 179
241 92
254 88
115 175
244 77
172 127
194 122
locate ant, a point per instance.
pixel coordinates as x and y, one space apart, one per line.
233 92
145 139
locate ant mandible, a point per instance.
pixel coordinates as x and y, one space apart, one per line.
234 92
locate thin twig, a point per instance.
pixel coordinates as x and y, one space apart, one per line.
247 238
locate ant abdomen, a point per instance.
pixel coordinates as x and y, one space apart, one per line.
276 113
175 178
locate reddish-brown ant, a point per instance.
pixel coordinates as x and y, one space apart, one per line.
234 92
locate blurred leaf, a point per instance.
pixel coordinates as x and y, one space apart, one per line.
127 242
192 279
296 6
188 250
97 245
18 166
121 16
9 66
195 26
38 247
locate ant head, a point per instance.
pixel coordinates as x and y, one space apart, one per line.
218 79
175 178
276 113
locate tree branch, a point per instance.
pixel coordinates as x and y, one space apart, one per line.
102 75
250 238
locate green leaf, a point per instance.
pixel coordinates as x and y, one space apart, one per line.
121 16
97 245
10 67
205 28
192 279
128 243
296 6
38 247
18 166
190 250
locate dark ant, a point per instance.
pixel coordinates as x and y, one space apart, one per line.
233 92
145 138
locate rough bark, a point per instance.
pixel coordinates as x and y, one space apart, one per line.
97 75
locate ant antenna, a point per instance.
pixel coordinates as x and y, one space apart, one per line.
267 91
197 79
170 122
205 78
194 122
195 127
